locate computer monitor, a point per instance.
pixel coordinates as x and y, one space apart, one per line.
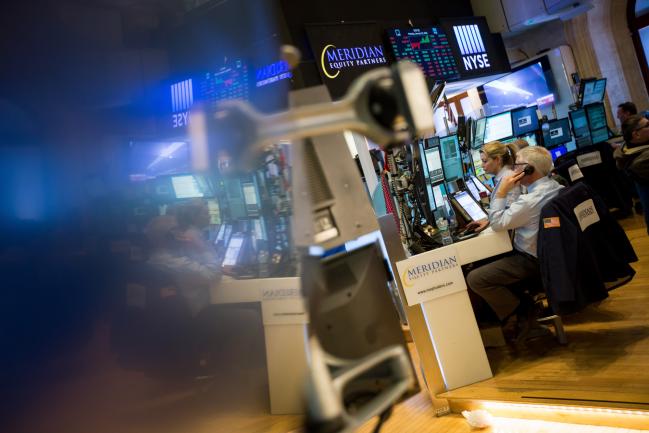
451 157
557 133
186 186
592 91
531 139
439 192
478 170
597 122
580 128
250 197
525 120
481 186
434 164
498 126
472 211
478 138
431 142
558 151
233 252
475 193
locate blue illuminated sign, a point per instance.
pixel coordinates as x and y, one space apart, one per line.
272 73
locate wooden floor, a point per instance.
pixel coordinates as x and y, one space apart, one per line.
606 361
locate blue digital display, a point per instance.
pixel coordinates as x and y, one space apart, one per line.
525 120
580 128
148 160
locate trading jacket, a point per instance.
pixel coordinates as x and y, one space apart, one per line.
635 161
583 252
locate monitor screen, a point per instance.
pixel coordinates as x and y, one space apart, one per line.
431 196
434 164
429 48
481 186
531 139
597 122
473 190
558 151
593 91
249 194
525 85
580 128
470 206
498 127
478 139
439 192
214 211
186 186
150 159
430 142
558 132
234 250
525 120
451 158
477 162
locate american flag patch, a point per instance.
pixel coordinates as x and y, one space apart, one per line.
549 223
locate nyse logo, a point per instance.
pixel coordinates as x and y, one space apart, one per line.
474 54
182 98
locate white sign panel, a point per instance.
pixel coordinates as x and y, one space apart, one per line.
575 173
588 159
431 275
586 214
283 307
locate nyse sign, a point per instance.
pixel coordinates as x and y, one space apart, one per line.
472 47
180 120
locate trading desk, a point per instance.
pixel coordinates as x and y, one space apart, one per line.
449 318
285 319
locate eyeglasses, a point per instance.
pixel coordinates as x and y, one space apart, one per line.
520 164
642 127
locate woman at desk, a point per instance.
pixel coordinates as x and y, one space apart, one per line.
498 160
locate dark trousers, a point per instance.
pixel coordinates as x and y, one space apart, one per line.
496 282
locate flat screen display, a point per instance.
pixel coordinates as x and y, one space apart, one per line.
150 159
434 164
498 127
557 133
580 128
451 158
233 251
478 139
477 162
473 190
526 85
428 47
593 91
597 122
470 206
431 142
186 186
558 151
439 192
525 120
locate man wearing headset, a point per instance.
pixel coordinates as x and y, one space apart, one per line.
493 281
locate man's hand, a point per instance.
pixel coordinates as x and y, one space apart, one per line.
477 226
507 183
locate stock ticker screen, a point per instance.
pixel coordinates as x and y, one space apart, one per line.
429 48
229 82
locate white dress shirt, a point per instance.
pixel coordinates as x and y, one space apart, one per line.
513 193
523 214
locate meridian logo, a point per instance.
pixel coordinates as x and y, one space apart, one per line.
333 58
416 272
472 47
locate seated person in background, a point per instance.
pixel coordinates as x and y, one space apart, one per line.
178 248
497 159
521 144
633 157
626 110
493 281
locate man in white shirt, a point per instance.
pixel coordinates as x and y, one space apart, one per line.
493 281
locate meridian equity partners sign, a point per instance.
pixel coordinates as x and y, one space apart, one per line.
343 52
431 275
